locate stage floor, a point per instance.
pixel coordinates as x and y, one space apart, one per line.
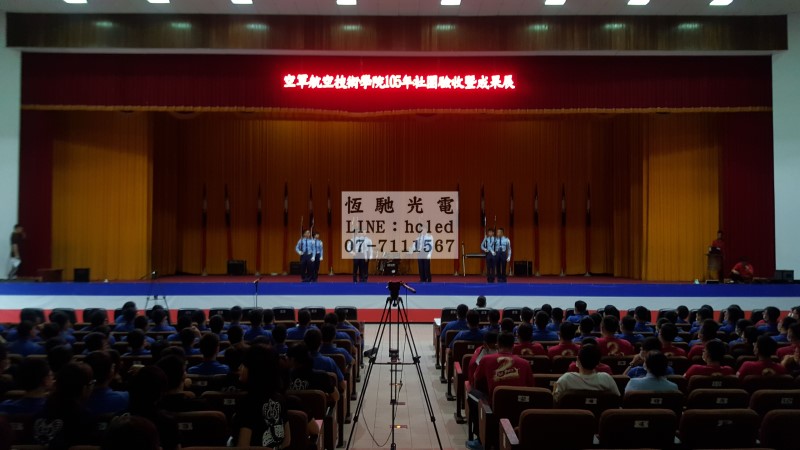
424 305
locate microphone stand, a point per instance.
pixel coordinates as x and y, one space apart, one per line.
255 292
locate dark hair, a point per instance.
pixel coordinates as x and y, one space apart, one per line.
734 314
567 331
547 308
766 346
174 368
269 316
795 329
278 334
187 337
494 316
526 314
611 310
301 356
669 332
256 317
610 324
672 316
60 318
313 339
542 319
481 303
184 321
98 318
787 322
262 365
586 326
341 315
771 314
31 373
461 311
597 319
24 329
682 311
94 341
199 317
216 324
742 324
209 345
507 325
233 358
235 334
580 306
642 314
490 337
505 340
49 330
328 332
71 381
303 317
145 389
101 365
557 315
628 323
716 350
158 315
650 344
589 356
750 334
708 330
331 319
525 332
129 305
136 339
591 340
473 319
59 356
236 313
129 314
141 323
657 363
131 433
706 312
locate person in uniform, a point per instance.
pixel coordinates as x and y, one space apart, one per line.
423 245
503 255
317 256
305 248
487 247
362 253
17 238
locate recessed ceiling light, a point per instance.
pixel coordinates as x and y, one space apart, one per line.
554 2
157 1
347 2
242 2
75 2
451 2
638 2
720 2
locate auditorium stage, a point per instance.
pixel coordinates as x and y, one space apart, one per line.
339 290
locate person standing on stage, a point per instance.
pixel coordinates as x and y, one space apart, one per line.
424 248
317 259
17 238
305 248
503 255
362 253
487 247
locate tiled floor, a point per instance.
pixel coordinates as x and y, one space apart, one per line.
375 417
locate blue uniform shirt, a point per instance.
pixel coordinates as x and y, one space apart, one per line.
468 335
651 383
25 347
576 318
318 249
106 401
487 246
23 406
209 368
640 372
305 246
545 335
326 364
632 338
253 333
297 333
503 244
642 327
460 324
332 349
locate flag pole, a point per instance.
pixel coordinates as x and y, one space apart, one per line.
258 233
285 226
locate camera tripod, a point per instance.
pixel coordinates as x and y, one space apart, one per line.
395 319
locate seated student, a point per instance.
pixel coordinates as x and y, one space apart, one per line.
555 320
50 336
749 338
642 316
708 332
61 319
216 324
103 400
731 316
499 369
6 378
64 421
657 368
597 318
609 344
209 347
586 329
343 324
605 368
160 322
713 353
333 320
126 324
97 319
741 325
269 319
146 389
489 347
494 322
525 346
764 349
95 341
313 341
126 306
24 344
507 325
459 324
742 272
671 316
297 332
302 375
131 433
279 338
525 316
793 337
565 345
636 368
540 332
704 313
473 333
628 326
136 343
175 398
667 335
188 338
199 320
587 378
236 338
328 332
256 330
35 378
236 319
579 313
611 310
683 314
141 323
183 323
771 317
786 323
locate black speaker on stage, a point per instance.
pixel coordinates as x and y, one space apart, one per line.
523 268
237 267
294 268
783 276
81 275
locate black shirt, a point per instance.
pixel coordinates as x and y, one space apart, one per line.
17 238
265 417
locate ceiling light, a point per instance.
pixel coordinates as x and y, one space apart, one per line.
351 27
638 2
242 2
181 25
157 1
444 27
104 24
451 2
256 26
554 2
75 2
346 2
614 26
538 27
720 2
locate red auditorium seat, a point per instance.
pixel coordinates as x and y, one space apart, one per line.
766 400
717 398
672 401
509 403
637 428
565 429
203 428
779 429
754 383
715 428
704 382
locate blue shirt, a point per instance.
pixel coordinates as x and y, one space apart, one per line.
554 327
468 335
780 338
694 342
332 349
728 328
297 333
769 328
651 383
491 327
305 246
488 244
642 327
23 406
106 401
544 335
209 368
318 249
347 326
736 341
124 327
326 364
503 244
191 351
576 318
640 372
253 333
140 352
241 325
632 338
162 328
25 347
458 325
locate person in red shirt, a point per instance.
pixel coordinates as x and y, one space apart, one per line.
565 346
742 272
573 366
489 347
713 353
718 245
793 336
764 349
707 333
609 344
667 334
526 346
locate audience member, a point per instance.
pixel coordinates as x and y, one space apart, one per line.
657 368
587 378
279 339
525 346
683 314
708 332
793 336
160 321
786 323
136 341
731 315
209 348
713 354
642 316
297 332
328 333
471 334
188 338
217 326
540 332
102 399
764 349
489 347
494 322
333 320
627 328
256 329
586 329
146 388
35 378
126 324
64 420
667 335
313 340
578 313
565 345
24 344
771 317
199 320
636 367
555 320
236 318
609 344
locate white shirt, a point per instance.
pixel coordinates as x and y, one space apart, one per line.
574 381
